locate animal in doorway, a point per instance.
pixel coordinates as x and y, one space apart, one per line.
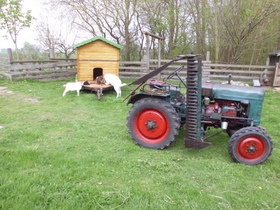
114 80
100 80
73 86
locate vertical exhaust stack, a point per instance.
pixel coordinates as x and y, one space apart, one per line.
194 135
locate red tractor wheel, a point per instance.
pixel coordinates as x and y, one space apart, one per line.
250 145
153 123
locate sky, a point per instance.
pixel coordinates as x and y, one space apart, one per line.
26 35
40 10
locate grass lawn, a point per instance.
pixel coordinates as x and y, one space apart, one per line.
74 152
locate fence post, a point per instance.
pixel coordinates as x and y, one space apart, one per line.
276 80
10 56
208 56
206 69
147 52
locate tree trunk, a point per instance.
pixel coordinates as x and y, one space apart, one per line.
217 38
278 47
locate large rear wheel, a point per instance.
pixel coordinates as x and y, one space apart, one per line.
153 123
250 145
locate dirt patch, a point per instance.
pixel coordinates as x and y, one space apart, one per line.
277 89
31 100
5 91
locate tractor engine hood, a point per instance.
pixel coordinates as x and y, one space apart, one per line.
232 92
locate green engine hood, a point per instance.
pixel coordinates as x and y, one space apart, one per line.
237 93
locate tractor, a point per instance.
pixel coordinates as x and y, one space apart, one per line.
160 108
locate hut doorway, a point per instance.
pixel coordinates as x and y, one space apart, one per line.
97 72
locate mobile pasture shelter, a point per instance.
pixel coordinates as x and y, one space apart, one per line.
97 56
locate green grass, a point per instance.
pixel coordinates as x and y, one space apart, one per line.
75 153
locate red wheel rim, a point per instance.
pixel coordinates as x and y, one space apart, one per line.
151 126
251 148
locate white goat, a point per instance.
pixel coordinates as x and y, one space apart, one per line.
114 80
73 86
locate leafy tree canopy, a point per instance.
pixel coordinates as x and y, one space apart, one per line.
12 19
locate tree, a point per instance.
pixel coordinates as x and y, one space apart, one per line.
198 11
234 31
13 20
244 27
113 19
56 38
46 38
168 19
32 52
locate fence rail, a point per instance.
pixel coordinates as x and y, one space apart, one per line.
210 72
62 68
40 70
4 63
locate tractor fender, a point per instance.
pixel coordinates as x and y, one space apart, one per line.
136 97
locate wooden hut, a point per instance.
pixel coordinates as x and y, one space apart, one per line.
274 58
95 57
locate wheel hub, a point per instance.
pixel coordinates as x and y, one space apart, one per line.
251 148
151 124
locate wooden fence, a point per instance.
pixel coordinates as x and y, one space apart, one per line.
40 70
61 68
210 72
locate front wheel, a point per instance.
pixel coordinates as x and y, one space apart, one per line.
250 145
153 123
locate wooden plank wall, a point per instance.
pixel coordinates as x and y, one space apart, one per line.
276 81
97 54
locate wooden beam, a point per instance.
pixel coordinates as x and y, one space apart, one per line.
153 35
10 55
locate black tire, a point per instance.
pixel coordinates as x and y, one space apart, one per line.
250 145
153 123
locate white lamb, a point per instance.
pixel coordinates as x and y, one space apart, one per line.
73 86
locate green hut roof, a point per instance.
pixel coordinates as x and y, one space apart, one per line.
98 38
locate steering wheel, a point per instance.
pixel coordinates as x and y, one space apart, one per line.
175 72
158 87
